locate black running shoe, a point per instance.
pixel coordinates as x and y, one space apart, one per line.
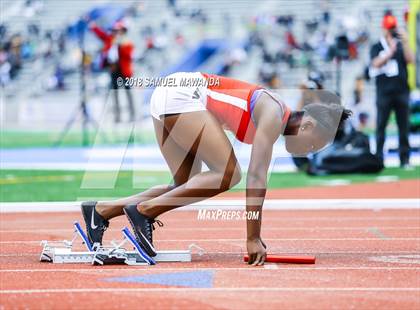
143 228
95 223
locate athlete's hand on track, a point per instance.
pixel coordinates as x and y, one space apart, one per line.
256 252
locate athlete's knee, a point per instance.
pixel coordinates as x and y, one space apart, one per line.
183 176
232 176
236 176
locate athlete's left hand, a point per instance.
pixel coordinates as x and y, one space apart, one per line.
256 252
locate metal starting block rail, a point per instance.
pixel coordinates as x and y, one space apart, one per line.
62 253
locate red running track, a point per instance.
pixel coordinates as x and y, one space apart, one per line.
365 260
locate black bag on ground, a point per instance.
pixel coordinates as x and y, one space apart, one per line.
350 153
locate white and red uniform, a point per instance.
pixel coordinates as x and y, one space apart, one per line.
230 101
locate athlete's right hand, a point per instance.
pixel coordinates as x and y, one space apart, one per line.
256 252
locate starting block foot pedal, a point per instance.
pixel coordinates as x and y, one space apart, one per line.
83 236
130 238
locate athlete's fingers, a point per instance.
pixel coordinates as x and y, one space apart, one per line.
262 260
251 259
257 260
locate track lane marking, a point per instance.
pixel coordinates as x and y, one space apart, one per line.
334 228
240 240
279 253
211 290
282 218
237 204
247 268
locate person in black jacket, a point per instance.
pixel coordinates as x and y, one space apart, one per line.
389 59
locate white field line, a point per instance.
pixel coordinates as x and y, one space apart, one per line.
236 204
334 228
147 166
189 290
245 268
89 167
242 239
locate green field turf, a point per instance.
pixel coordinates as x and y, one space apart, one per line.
24 139
42 185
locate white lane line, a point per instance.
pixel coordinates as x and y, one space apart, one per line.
189 290
270 216
277 252
334 228
240 240
291 218
246 267
236 204
399 259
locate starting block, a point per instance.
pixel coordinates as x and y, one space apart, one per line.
62 253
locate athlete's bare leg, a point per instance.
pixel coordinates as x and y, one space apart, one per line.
202 136
181 163
114 208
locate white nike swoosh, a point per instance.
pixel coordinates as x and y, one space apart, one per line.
92 222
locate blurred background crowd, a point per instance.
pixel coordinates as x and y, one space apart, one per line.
55 55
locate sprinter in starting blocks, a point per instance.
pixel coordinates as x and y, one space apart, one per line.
96 254
189 118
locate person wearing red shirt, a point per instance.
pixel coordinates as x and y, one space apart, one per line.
117 56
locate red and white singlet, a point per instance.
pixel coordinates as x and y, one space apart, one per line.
230 101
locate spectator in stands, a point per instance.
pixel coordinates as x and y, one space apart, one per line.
172 4
179 39
117 56
269 77
326 15
310 88
233 57
359 104
14 54
3 31
32 7
5 68
291 40
389 58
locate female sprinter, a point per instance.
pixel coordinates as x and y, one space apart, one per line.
189 123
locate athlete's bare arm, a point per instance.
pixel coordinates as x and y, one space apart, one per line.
268 115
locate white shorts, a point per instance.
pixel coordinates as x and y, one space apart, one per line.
181 98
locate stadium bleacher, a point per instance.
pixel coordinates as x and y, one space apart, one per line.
54 15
